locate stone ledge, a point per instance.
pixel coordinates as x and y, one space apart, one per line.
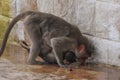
107 51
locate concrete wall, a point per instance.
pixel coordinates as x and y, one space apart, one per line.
98 17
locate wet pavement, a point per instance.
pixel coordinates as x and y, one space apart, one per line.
13 66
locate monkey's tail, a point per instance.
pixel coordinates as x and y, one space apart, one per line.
10 26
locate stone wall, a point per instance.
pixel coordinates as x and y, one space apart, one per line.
97 17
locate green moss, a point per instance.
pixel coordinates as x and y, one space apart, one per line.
0 7
4 16
5 7
3 24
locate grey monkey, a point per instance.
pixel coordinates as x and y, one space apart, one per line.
36 24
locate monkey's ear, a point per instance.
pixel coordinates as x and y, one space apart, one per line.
81 48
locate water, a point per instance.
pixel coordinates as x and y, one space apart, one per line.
13 66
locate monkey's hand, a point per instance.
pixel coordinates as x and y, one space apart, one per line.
64 66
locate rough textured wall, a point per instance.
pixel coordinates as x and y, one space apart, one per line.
97 17
4 16
7 11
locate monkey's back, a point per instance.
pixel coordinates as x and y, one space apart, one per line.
56 26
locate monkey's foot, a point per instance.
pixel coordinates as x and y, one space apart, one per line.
36 63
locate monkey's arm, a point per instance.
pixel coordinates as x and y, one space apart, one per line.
57 51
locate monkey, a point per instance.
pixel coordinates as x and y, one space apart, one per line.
63 47
36 24
63 41
68 56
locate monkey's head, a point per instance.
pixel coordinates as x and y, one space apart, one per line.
85 49
69 57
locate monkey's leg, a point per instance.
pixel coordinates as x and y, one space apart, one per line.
34 52
35 37
57 51
47 58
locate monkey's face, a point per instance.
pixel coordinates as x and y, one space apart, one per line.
81 54
80 51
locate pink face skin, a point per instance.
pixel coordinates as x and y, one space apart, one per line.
80 51
81 48
81 54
